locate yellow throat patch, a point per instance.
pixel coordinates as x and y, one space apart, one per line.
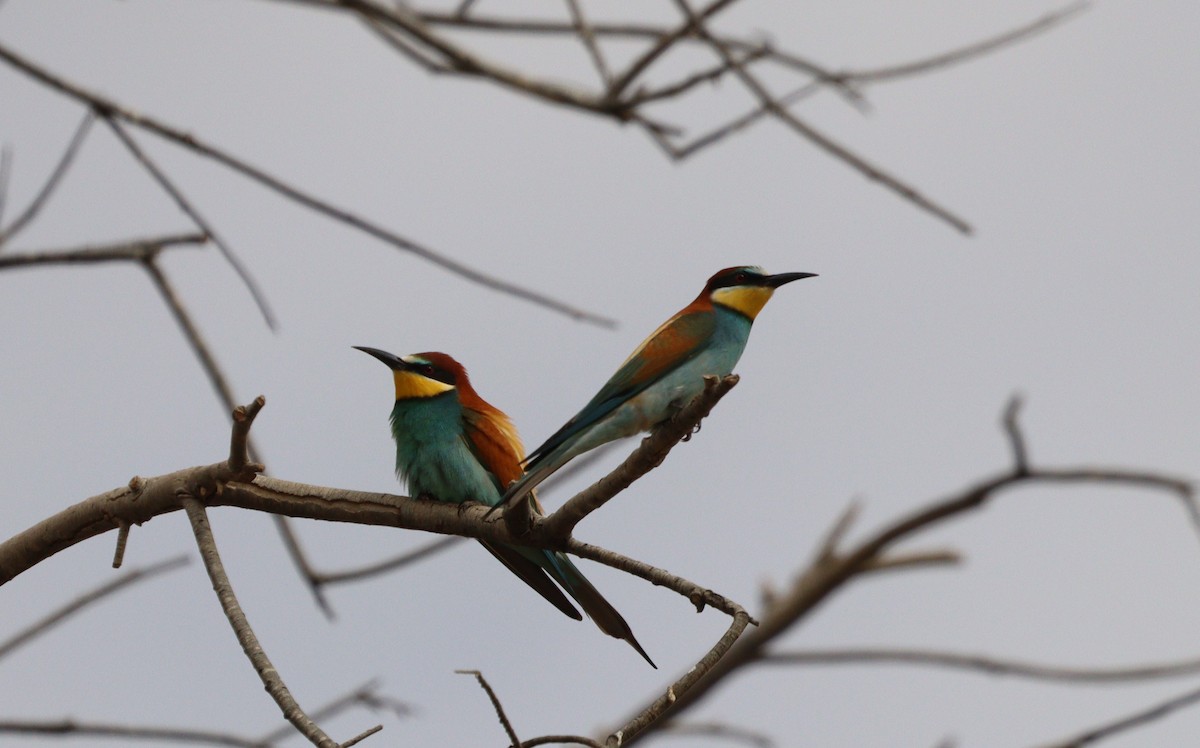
749 300
410 384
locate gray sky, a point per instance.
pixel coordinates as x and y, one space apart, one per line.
1075 156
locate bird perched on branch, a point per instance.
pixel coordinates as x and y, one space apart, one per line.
664 373
453 446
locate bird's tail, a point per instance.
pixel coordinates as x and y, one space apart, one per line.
593 603
523 487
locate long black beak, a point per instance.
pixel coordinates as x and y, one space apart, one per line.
392 360
775 281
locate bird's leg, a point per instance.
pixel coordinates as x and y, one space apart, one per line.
463 506
674 408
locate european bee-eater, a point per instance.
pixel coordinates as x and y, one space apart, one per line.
451 445
665 372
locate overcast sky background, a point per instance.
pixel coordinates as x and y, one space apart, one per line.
1075 155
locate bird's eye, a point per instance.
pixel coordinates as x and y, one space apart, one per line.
427 370
739 278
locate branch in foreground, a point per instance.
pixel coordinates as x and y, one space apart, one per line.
221 485
487 688
130 577
110 109
241 628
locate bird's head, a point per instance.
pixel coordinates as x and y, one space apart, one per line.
422 374
746 289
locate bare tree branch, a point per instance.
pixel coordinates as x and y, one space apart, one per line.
984 664
821 140
6 159
190 332
508 728
99 593
382 567
241 628
833 569
1137 719
191 212
43 195
136 250
588 37
716 730
561 740
968 52
72 728
111 109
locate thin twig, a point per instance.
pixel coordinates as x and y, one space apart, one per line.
110 108
970 51
671 728
735 125
122 542
48 622
160 176
1016 439
561 740
822 141
362 736
664 43
191 334
508 728
137 250
828 547
72 728
43 195
984 664
241 628
1137 719
382 567
6 162
588 37
364 696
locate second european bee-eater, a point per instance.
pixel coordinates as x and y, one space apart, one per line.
665 372
453 446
